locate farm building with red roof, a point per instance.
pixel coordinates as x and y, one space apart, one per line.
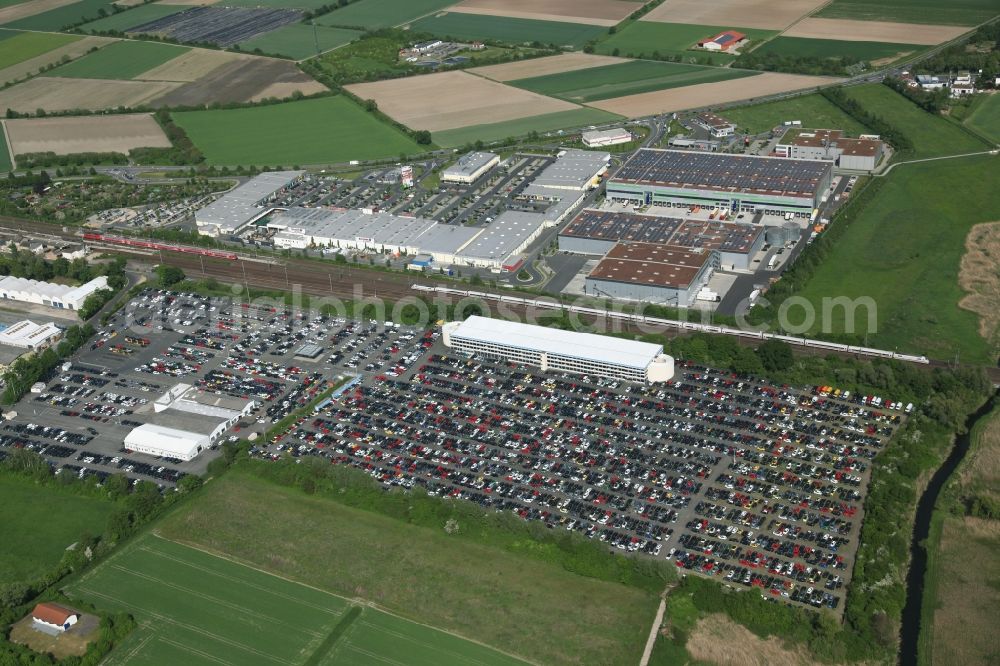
726 41
55 616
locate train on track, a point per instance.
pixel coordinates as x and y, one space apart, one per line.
682 325
153 245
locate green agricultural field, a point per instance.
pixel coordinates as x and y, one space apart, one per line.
510 30
20 46
120 60
626 78
375 14
65 16
832 48
953 12
814 111
123 21
931 135
548 122
495 596
5 161
904 252
40 522
986 117
644 38
298 41
312 131
197 608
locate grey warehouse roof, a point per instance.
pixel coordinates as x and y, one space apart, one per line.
469 163
503 235
238 207
201 424
573 168
382 228
586 346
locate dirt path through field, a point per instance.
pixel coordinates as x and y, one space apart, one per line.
979 275
873 31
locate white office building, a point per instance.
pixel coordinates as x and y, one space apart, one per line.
176 434
558 350
611 137
50 294
470 167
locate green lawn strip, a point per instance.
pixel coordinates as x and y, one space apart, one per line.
645 38
627 78
298 41
123 21
833 48
276 429
505 29
348 618
121 60
487 593
21 46
904 251
986 118
932 12
314 131
40 523
375 14
814 111
62 17
931 135
5 162
547 122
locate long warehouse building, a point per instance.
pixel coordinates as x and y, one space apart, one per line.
737 183
559 351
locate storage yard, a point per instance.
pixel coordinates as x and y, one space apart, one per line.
222 26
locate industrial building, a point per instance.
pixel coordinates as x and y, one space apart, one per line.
737 183
187 398
28 335
470 167
245 204
686 143
652 272
862 154
598 231
558 350
578 170
611 137
50 294
717 126
501 242
173 433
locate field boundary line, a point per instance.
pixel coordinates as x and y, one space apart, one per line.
370 604
200 653
208 597
10 149
399 635
236 579
169 620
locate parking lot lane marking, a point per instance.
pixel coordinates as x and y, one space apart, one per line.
208 597
236 579
200 653
170 620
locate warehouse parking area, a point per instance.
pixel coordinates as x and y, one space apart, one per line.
727 476
229 354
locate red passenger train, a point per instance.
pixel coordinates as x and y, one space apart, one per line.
153 245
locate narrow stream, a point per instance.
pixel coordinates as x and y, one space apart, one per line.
910 630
